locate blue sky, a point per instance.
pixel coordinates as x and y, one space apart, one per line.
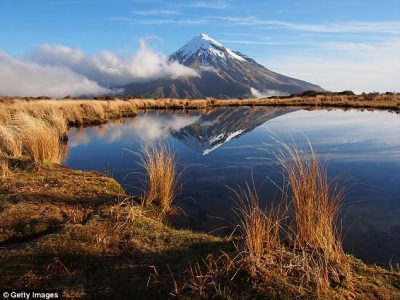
339 44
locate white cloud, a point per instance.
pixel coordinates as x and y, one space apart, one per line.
57 70
155 12
180 22
375 27
266 93
207 69
20 78
110 69
211 4
389 27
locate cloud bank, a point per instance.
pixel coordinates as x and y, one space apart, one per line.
21 78
267 93
57 70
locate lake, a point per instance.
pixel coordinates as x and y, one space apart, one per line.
220 149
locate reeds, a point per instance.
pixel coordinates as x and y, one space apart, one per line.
161 177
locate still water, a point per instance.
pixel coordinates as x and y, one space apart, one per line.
222 148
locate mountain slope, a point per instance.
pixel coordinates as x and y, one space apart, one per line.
223 74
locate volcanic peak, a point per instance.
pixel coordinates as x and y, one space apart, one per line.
202 45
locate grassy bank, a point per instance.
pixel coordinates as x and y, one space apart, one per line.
79 232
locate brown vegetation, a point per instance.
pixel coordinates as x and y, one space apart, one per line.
38 139
68 229
83 111
315 202
80 232
300 235
161 175
290 251
260 228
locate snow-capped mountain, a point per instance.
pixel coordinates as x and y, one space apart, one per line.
205 50
224 73
219 126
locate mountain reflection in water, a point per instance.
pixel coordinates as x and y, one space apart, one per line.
219 126
202 132
361 148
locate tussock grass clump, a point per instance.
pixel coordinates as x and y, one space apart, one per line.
57 121
289 250
316 200
75 112
10 143
315 203
4 167
41 141
296 243
162 176
259 227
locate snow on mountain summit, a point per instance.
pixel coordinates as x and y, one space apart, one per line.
204 41
204 47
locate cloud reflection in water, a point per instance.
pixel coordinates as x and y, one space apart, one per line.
144 128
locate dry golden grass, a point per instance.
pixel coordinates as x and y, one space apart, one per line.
58 122
38 139
210 278
83 111
316 199
296 243
41 142
316 203
295 258
4 168
125 211
161 178
259 227
71 222
73 112
10 143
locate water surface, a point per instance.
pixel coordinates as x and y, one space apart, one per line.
221 148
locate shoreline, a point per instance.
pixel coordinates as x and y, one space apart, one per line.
81 226
80 232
